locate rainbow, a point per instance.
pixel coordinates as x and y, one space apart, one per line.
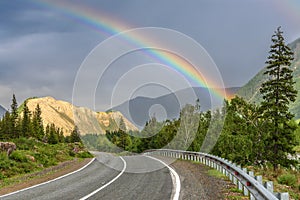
108 25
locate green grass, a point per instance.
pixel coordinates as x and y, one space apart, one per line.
236 190
216 173
32 156
285 180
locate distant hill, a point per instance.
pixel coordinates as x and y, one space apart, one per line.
251 90
64 115
137 109
2 111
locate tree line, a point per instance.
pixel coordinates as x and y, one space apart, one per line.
21 122
251 134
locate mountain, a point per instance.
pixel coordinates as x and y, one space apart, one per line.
64 114
137 109
250 91
2 111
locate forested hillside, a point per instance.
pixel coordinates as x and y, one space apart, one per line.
251 90
34 147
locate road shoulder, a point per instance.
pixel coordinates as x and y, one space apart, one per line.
32 179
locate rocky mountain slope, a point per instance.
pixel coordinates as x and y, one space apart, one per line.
65 115
251 90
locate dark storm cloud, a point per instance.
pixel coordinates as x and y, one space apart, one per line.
41 48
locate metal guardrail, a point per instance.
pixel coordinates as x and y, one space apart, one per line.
251 185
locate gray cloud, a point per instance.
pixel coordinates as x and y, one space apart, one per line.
41 48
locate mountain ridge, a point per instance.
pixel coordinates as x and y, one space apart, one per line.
65 115
137 109
250 91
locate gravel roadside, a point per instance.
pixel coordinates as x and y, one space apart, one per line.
197 184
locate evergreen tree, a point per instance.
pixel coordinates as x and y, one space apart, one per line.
278 92
53 135
75 135
5 126
37 123
61 136
26 121
14 118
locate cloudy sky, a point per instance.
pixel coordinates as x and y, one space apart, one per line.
44 43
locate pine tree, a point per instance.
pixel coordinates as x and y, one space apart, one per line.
53 135
26 121
14 118
75 135
278 92
37 123
5 126
61 136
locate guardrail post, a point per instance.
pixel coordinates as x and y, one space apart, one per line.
246 191
269 186
223 171
251 173
284 196
234 180
240 185
259 179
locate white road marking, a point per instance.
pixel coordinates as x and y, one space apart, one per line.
107 184
176 182
34 186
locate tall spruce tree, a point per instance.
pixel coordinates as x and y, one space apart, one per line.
37 123
14 118
75 135
278 92
26 121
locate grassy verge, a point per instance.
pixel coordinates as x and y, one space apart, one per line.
33 156
285 180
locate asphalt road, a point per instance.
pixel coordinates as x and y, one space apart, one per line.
108 177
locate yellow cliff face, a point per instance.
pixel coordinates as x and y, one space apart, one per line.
64 115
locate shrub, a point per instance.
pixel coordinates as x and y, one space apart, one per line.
19 156
2 176
85 154
24 143
287 179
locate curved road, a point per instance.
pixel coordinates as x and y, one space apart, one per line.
107 177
